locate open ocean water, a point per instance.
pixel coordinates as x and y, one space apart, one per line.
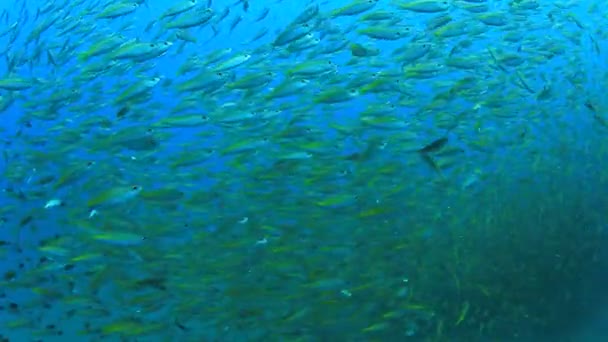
304 170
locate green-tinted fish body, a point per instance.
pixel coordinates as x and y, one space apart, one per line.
16 83
138 51
115 195
191 120
424 6
136 90
354 8
192 19
386 32
179 8
118 9
119 238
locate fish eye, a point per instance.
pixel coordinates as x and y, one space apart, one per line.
166 43
90 163
134 187
220 74
205 117
152 45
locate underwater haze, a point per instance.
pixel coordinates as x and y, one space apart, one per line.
303 170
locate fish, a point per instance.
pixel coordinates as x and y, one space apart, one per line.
119 238
179 8
423 6
141 51
372 170
434 146
114 195
117 10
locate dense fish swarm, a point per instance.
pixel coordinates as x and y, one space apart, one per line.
282 170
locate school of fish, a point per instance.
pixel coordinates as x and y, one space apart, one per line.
242 170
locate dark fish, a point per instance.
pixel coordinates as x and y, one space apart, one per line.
235 22
431 162
50 57
10 275
434 146
24 221
603 122
223 15
180 326
596 46
150 25
524 83
14 307
590 106
122 112
156 283
600 120
263 14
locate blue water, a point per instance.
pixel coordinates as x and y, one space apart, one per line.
306 221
